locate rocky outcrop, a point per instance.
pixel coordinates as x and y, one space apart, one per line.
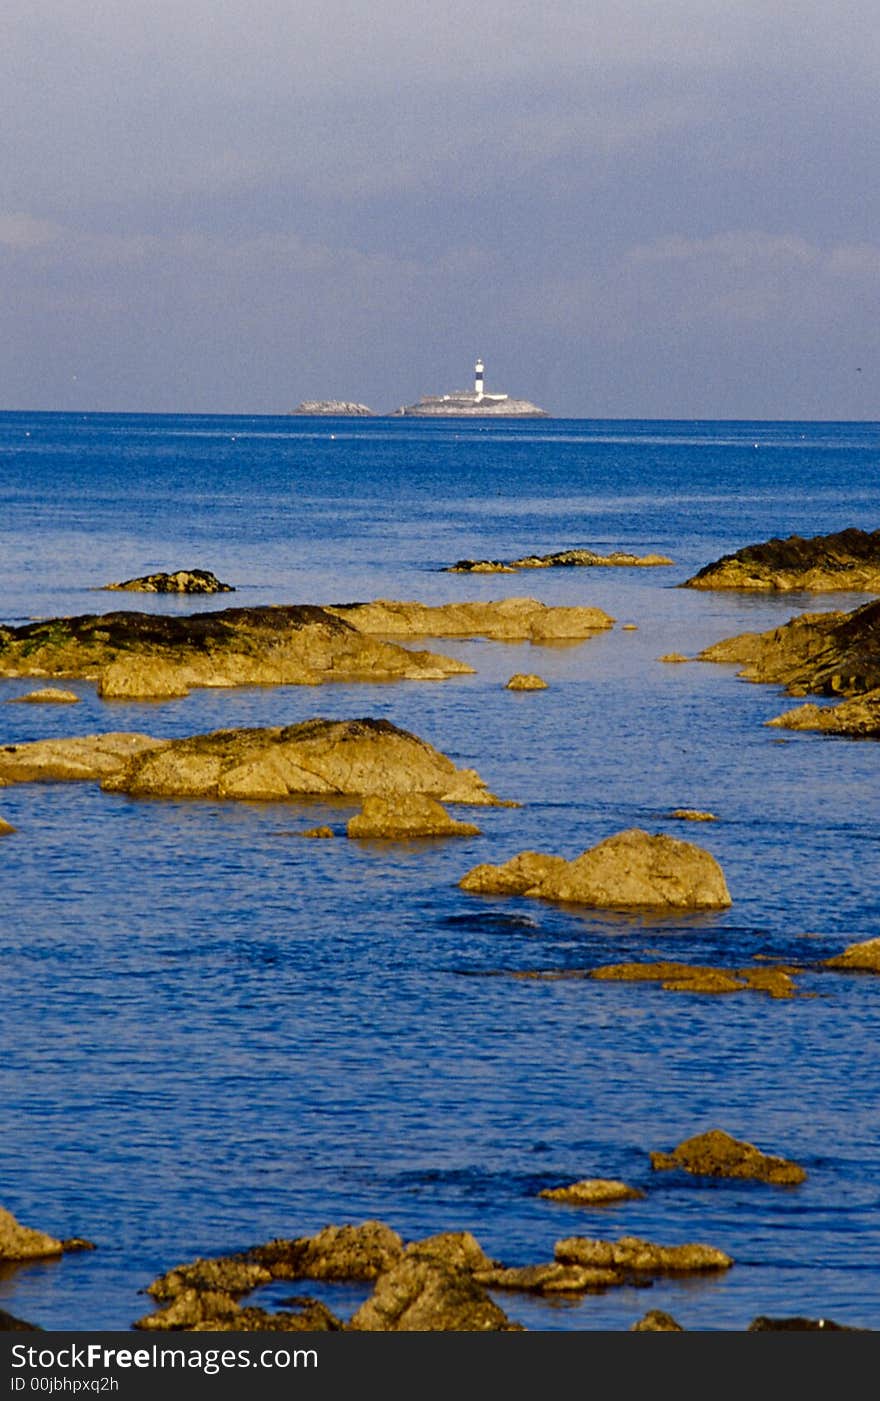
637 1256
19 1242
426 1286
592 1191
504 620
829 654
180 581
526 681
336 408
404 816
552 1277
692 815
859 717
145 655
689 977
365 757
717 1154
656 1321
561 559
48 695
857 958
847 559
632 869
316 757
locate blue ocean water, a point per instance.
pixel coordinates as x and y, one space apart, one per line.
215 1034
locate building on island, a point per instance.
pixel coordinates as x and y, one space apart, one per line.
476 403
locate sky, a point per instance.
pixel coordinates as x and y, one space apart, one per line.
627 208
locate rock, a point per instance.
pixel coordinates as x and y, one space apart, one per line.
592 1191
692 815
763 1324
85 757
318 832
641 1256
673 657
232 1275
459 1250
629 627
526 681
831 654
366 757
317 757
657 1321
49 695
629 870
336 1252
506 619
689 977
423 1295
144 655
5 827
858 717
212 1310
717 1154
561 559
9 1324
404 816
181 581
19 1242
847 559
551 1278
336 408
862 958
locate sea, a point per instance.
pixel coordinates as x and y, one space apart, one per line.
215 1033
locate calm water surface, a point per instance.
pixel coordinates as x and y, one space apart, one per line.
214 1033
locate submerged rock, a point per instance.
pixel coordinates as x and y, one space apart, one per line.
592 1191
577 558
405 816
690 977
144 655
181 581
329 757
506 619
717 1154
632 869
48 695
846 559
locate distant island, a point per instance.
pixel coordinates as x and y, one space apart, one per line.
475 403
461 403
336 407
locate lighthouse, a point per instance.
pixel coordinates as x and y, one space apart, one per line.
478 378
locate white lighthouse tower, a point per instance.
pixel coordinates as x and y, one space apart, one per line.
478 378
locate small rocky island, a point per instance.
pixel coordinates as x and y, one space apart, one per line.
180 581
467 403
335 408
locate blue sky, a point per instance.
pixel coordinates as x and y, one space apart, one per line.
658 208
